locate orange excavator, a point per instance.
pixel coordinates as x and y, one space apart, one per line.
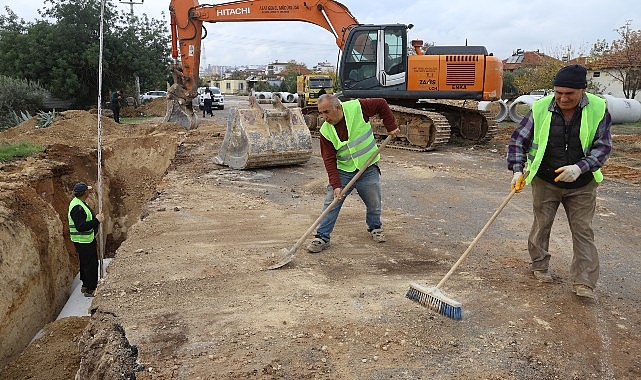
376 61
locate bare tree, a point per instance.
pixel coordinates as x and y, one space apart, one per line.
622 59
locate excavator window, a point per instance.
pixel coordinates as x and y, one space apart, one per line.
394 52
362 55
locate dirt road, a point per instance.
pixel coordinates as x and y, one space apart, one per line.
190 289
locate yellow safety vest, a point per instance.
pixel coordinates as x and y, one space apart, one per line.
591 115
360 145
79 236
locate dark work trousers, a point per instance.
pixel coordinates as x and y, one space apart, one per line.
116 109
207 107
579 207
88 258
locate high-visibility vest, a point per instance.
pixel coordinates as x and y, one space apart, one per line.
591 116
79 236
360 145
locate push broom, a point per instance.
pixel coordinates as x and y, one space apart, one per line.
433 297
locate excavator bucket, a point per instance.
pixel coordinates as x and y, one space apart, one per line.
180 109
261 136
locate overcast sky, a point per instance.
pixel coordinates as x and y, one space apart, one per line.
501 26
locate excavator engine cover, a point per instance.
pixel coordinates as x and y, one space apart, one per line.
259 136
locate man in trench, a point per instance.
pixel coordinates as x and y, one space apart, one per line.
83 225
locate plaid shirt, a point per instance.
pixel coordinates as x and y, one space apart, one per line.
522 136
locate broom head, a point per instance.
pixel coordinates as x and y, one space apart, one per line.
435 299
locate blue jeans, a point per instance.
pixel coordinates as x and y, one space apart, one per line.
368 187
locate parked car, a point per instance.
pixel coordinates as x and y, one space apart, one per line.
217 98
150 95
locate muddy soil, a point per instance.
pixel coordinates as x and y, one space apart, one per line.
189 290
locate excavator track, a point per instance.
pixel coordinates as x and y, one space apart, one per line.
420 130
470 124
492 126
428 126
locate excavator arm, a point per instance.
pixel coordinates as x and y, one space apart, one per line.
187 17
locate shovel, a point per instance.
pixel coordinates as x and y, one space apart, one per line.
288 254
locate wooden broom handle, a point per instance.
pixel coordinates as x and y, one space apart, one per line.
476 239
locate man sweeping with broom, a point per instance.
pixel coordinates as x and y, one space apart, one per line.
565 139
347 142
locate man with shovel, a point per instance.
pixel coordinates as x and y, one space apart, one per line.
347 142
564 139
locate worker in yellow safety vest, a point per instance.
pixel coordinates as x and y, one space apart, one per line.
82 226
347 142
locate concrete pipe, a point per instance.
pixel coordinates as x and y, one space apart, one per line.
501 114
623 110
288 97
513 112
277 95
263 95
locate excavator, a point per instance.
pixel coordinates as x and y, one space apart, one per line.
376 61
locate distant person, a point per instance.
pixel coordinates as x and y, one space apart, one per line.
321 92
564 139
207 102
83 226
116 98
346 143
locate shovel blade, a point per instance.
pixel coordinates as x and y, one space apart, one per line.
288 256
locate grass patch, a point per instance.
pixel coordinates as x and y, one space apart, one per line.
9 152
134 120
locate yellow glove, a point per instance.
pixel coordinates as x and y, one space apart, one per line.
518 182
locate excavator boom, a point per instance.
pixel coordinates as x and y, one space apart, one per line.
187 17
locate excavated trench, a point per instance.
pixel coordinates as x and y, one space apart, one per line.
37 259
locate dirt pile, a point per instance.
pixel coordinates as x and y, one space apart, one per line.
37 258
156 107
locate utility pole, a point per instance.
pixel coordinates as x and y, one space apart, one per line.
131 18
131 5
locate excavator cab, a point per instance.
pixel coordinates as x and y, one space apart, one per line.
375 59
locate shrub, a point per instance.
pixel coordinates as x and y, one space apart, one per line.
18 97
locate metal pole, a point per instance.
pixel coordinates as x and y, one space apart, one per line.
101 248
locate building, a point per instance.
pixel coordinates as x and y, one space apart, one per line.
233 86
603 74
521 58
324 67
274 68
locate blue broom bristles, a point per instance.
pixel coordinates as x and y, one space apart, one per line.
436 300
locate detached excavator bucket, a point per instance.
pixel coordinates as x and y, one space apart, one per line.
259 136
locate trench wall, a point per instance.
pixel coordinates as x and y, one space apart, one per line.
37 259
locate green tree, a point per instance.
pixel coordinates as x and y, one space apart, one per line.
621 59
292 70
537 77
61 50
510 90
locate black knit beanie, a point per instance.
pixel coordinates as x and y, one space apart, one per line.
572 76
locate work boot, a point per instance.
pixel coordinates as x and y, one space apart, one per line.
317 245
542 276
377 235
583 291
89 293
